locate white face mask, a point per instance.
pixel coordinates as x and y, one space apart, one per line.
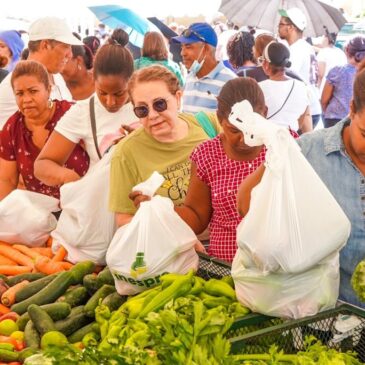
196 66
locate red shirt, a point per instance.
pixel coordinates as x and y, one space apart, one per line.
223 176
17 145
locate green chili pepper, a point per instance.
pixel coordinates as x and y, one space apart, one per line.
198 285
180 287
219 288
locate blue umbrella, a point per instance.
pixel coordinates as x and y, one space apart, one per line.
115 16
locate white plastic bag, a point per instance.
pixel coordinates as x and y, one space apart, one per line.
156 241
86 226
26 217
287 295
293 222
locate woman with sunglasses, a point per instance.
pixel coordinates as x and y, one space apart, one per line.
164 144
217 168
113 66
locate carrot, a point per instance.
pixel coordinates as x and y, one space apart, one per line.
18 345
5 243
44 251
8 298
9 315
60 254
47 266
27 251
4 310
66 265
14 270
6 261
49 242
15 255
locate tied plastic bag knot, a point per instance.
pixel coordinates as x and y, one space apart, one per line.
150 186
259 131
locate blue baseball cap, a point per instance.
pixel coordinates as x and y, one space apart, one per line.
198 32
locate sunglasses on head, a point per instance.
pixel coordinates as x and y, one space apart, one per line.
159 105
188 32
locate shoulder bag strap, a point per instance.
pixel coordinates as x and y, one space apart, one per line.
292 87
206 124
93 124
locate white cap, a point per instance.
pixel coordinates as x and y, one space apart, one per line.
52 28
296 16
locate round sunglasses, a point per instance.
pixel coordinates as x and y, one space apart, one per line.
159 105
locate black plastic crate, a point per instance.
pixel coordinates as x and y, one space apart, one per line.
210 267
289 336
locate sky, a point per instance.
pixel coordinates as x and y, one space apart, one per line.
67 8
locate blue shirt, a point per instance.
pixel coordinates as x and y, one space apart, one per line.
342 79
325 151
201 94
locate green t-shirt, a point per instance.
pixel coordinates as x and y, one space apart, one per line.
138 155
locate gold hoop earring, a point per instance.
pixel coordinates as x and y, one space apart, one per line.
50 103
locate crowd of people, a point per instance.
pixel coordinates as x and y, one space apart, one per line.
67 101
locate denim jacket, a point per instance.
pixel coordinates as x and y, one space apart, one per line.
325 151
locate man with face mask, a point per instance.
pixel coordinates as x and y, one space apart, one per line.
206 74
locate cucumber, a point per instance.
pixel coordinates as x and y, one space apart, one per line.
56 311
78 335
28 276
41 319
73 322
93 302
75 296
49 294
33 288
105 277
90 282
80 270
6 355
28 351
4 277
113 301
31 336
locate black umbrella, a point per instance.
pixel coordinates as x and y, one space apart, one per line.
175 48
264 14
165 30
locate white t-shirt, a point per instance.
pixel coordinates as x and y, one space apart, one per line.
8 105
75 125
276 92
304 63
331 56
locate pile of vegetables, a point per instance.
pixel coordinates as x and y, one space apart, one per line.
358 280
20 259
75 316
181 321
314 354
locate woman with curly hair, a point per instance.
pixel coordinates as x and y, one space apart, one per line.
240 52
